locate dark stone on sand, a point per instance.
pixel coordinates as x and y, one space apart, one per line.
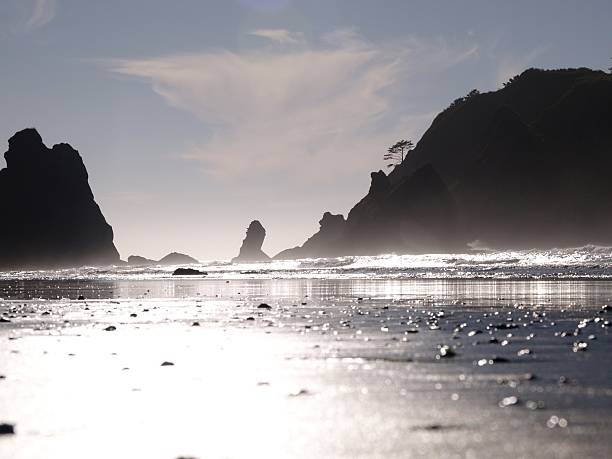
195 324
167 364
7 429
3 320
445 351
81 298
264 306
188 272
110 328
250 251
54 219
300 393
508 401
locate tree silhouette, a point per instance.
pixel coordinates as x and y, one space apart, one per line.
397 152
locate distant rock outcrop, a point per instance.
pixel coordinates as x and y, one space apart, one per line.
135 260
173 258
49 216
525 166
176 258
324 243
251 245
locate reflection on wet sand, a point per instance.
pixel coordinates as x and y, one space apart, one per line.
334 368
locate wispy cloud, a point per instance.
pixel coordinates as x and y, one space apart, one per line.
43 12
282 36
312 112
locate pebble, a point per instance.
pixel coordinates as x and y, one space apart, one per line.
110 328
445 351
532 405
508 401
167 364
300 393
7 429
556 421
580 346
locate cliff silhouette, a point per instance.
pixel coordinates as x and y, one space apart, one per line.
251 245
526 166
49 215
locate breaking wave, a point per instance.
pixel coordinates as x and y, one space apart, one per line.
590 262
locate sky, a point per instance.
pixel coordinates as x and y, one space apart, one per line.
195 117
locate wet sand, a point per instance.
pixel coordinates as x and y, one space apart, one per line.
357 368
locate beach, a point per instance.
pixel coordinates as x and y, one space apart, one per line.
168 368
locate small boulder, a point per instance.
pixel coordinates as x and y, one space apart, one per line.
188 272
7 429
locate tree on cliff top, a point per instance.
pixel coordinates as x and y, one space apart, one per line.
397 152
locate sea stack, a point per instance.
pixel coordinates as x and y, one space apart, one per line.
49 215
251 245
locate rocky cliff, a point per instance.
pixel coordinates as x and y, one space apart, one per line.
49 215
524 166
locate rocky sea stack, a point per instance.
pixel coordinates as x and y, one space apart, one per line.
49 215
251 245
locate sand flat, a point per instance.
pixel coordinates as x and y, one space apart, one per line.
336 368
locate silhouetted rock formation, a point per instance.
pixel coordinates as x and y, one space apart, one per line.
176 258
321 244
135 260
173 258
188 272
525 166
251 245
49 216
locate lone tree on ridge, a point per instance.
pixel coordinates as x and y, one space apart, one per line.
397 152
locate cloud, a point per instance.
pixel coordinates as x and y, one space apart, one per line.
282 36
312 113
44 11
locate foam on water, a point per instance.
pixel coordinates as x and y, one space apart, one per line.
588 262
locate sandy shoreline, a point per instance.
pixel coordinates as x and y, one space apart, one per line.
333 369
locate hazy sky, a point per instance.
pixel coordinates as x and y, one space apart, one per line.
195 117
